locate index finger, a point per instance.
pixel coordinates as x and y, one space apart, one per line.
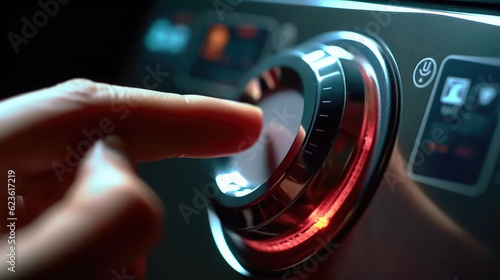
61 123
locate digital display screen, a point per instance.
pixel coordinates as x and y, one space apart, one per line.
227 52
459 130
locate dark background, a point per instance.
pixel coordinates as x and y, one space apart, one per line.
91 39
88 39
102 41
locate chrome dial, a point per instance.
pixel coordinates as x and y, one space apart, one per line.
329 113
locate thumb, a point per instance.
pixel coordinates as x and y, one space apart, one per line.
108 219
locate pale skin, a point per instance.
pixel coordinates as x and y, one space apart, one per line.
82 222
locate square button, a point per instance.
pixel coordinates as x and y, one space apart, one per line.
455 91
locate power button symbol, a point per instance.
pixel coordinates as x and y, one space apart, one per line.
424 72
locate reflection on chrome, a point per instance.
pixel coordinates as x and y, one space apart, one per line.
310 176
278 93
281 120
220 241
233 184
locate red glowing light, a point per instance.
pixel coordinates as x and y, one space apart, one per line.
247 31
323 221
216 41
321 217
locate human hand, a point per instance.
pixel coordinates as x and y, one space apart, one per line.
87 213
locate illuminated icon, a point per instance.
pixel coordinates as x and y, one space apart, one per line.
234 183
455 91
424 72
464 152
486 95
216 41
247 31
162 36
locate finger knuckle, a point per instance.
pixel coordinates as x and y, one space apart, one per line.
78 91
79 81
87 93
80 86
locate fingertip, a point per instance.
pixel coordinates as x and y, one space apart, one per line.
258 118
213 127
252 123
249 108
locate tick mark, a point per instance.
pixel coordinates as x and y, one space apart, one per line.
301 165
314 145
293 179
327 88
319 130
308 152
324 116
326 101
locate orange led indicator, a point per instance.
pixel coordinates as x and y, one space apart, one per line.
216 40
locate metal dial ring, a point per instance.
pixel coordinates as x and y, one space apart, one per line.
271 221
